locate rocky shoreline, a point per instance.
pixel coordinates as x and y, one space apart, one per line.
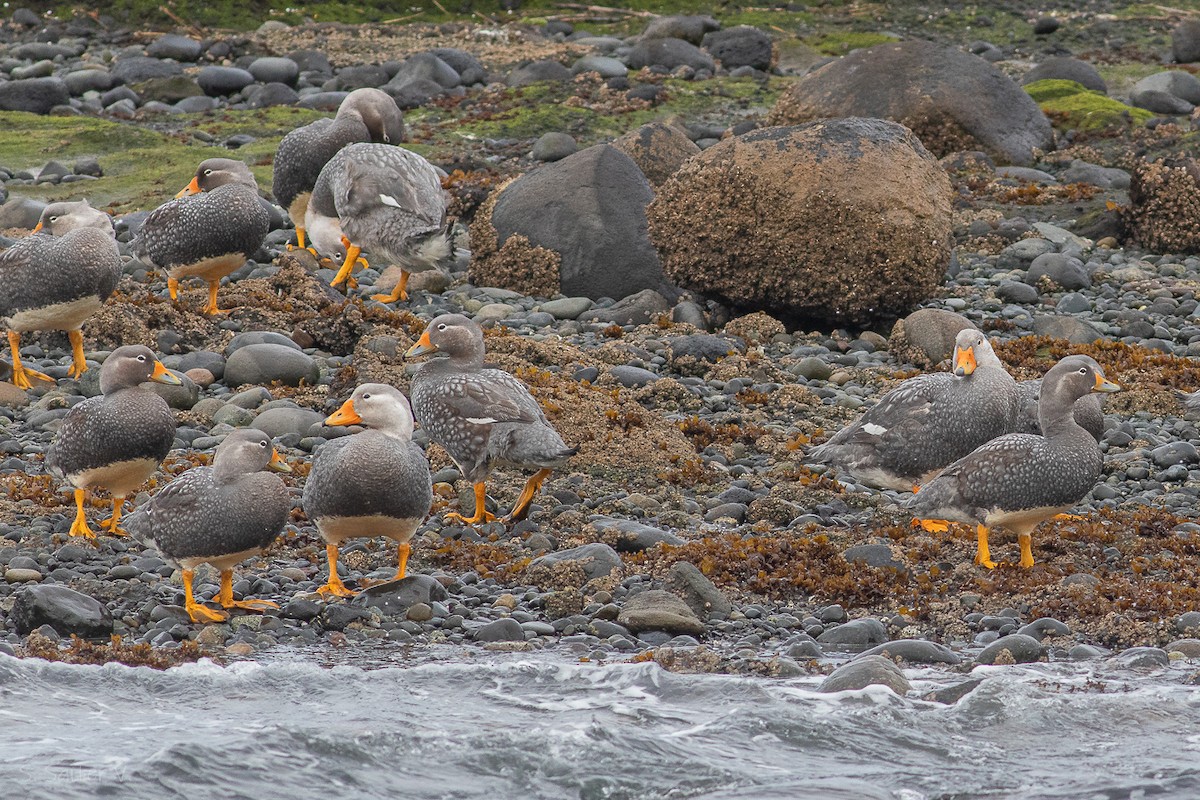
688 530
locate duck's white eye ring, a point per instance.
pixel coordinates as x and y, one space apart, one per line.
208 172
441 326
1083 370
54 219
262 444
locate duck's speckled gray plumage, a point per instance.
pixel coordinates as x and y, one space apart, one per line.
126 423
366 115
927 422
480 415
227 509
1020 479
386 200
73 258
378 472
226 218
1089 411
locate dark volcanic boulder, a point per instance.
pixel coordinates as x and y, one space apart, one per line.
35 95
845 221
658 149
952 100
740 46
1185 42
136 69
1164 206
1067 69
576 226
669 53
536 71
62 608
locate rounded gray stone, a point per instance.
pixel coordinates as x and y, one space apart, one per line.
268 363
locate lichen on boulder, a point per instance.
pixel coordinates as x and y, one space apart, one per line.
843 221
1164 206
659 149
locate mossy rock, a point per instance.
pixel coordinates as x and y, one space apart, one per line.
1074 106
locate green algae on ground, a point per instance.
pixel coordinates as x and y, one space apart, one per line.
1073 106
142 167
839 43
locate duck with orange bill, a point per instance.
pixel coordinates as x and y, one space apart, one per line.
56 279
1019 480
219 515
115 441
372 483
211 228
482 416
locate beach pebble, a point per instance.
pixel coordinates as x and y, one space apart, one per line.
657 610
62 608
1021 649
501 630
267 363
864 672
857 632
914 651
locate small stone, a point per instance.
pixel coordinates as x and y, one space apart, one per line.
501 630
700 593
1021 649
62 608
267 363
632 377
420 612
914 651
397 597
19 575
864 672
553 146
1142 658
657 610
858 632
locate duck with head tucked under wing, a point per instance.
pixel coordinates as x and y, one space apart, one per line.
211 228
482 416
57 279
219 515
366 115
1020 479
385 200
117 440
374 483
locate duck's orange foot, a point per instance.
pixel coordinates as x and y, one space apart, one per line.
454 516
253 605
203 614
335 588
932 525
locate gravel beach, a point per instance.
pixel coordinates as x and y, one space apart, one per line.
689 529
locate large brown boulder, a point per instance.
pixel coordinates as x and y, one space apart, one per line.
658 149
843 221
1164 206
952 100
575 226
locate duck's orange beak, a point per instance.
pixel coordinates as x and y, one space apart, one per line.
964 361
163 375
1105 385
346 415
37 227
422 347
191 188
277 464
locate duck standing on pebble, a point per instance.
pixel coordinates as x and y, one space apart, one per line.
1020 479
373 483
219 515
56 279
928 421
117 440
366 115
211 228
482 416
386 200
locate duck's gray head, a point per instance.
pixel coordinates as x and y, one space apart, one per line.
377 406
132 365
247 450
378 111
453 334
214 172
1075 376
59 218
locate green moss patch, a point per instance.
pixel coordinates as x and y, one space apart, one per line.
838 43
1070 105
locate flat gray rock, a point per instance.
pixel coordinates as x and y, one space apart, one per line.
62 608
657 610
267 363
1022 649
